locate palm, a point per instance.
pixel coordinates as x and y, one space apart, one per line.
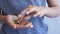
11 23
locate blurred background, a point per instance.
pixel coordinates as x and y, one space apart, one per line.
53 24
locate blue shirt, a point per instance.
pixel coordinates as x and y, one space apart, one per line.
14 7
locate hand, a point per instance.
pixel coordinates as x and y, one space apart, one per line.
12 24
40 11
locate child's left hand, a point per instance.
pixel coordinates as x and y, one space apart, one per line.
40 11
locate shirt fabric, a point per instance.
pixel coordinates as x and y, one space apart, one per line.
14 7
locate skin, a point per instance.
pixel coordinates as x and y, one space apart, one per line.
51 11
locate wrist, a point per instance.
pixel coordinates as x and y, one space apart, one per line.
2 18
47 11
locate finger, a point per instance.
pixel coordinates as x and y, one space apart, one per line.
29 16
24 11
42 14
30 24
13 26
26 18
37 14
21 26
31 10
22 14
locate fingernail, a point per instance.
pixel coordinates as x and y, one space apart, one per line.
31 26
41 15
14 26
27 12
19 15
